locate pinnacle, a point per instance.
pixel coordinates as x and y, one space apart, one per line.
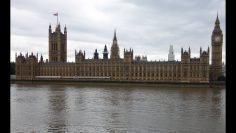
217 19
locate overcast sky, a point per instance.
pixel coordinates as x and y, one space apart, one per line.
149 27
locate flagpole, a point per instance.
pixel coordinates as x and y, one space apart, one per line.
56 14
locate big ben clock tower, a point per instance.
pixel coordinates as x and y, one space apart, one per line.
216 53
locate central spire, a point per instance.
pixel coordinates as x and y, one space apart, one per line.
114 38
115 48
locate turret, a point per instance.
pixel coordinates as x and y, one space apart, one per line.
96 54
65 30
204 65
50 29
80 57
189 51
205 53
185 65
41 59
185 56
128 56
105 52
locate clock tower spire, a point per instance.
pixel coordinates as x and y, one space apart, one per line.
216 53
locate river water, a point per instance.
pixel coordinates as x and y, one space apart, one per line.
116 108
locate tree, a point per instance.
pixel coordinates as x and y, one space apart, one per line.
221 78
12 68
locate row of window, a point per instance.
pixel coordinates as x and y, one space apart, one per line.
65 71
57 74
133 67
121 69
131 74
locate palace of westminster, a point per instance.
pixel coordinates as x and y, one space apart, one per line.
29 67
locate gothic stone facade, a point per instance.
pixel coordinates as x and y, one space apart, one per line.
216 54
187 70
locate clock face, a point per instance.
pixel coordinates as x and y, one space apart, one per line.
217 39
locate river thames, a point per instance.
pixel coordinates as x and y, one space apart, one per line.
116 108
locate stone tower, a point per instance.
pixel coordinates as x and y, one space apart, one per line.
216 53
57 45
171 55
185 65
204 64
128 56
26 66
115 48
79 57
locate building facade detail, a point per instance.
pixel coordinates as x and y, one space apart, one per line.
127 68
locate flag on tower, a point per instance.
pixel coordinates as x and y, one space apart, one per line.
56 14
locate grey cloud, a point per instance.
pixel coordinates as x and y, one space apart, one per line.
148 26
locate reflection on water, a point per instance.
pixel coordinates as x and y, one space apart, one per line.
57 109
116 108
